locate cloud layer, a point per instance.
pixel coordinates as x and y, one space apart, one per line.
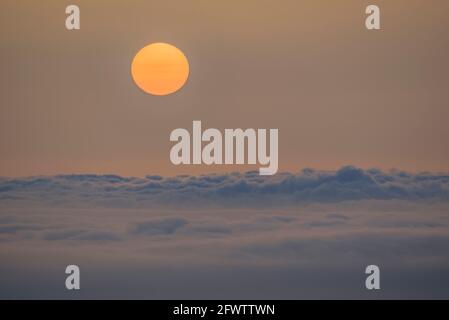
235 189
307 251
240 235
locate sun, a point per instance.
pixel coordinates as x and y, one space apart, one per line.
160 69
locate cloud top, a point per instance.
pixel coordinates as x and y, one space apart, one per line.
234 189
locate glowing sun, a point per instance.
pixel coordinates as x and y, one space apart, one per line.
160 69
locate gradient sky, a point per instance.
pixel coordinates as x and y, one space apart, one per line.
338 93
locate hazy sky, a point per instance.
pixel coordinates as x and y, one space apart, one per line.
338 93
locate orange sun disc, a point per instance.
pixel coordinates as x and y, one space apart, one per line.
160 69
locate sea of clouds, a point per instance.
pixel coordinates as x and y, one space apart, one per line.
230 190
238 235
